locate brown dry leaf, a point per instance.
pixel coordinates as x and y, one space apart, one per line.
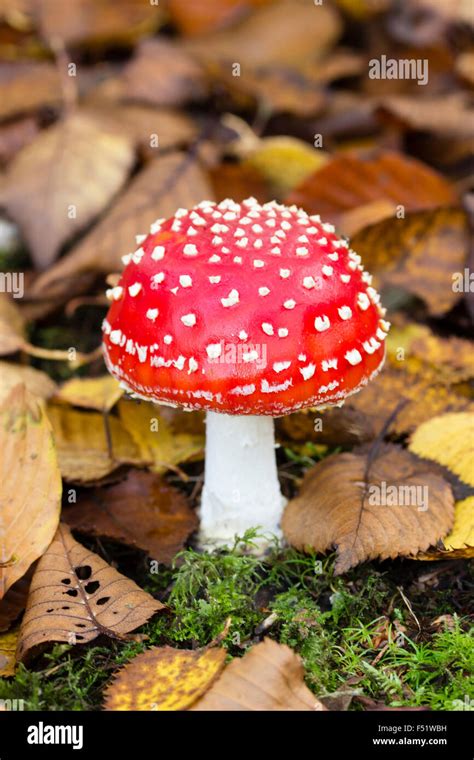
346 502
203 16
30 485
12 327
99 393
8 644
15 135
355 220
171 181
58 184
465 66
349 181
81 443
420 254
38 383
284 33
450 116
98 21
27 86
238 182
164 678
14 601
163 74
141 511
75 596
269 676
156 442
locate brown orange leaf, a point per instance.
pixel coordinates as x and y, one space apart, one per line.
269 676
376 502
75 596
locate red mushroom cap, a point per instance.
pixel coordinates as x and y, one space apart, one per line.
244 309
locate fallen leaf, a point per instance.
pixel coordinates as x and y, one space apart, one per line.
98 21
37 383
462 533
449 440
266 37
27 87
355 220
30 485
208 15
82 447
141 511
450 116
163 678
420 254
15 135
100 393
346 502
75 596
284 162
236 181
14 601
167 183
56 185
269 676
349 181
8 644
12 327
163 74
157 443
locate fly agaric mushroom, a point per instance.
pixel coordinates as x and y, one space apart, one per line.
249 312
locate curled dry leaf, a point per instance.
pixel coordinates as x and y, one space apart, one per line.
377 502
30 485
141 511
27 86
14 601
163 74
448 440
37 383
167 183
163 678
8 644
349 181
75 596
56 185
100 393
269 676
419 254
82 446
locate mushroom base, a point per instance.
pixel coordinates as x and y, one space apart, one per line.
241 488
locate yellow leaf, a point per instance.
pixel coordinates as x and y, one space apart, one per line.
153 437
100 393
8 642
82 446
462 534
448 440
30 485
285 162
164 678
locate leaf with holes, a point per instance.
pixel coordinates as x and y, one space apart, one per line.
30 485
75 596
164 678
269 676
374 502
141 511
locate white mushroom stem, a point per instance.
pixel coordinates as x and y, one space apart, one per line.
241 488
